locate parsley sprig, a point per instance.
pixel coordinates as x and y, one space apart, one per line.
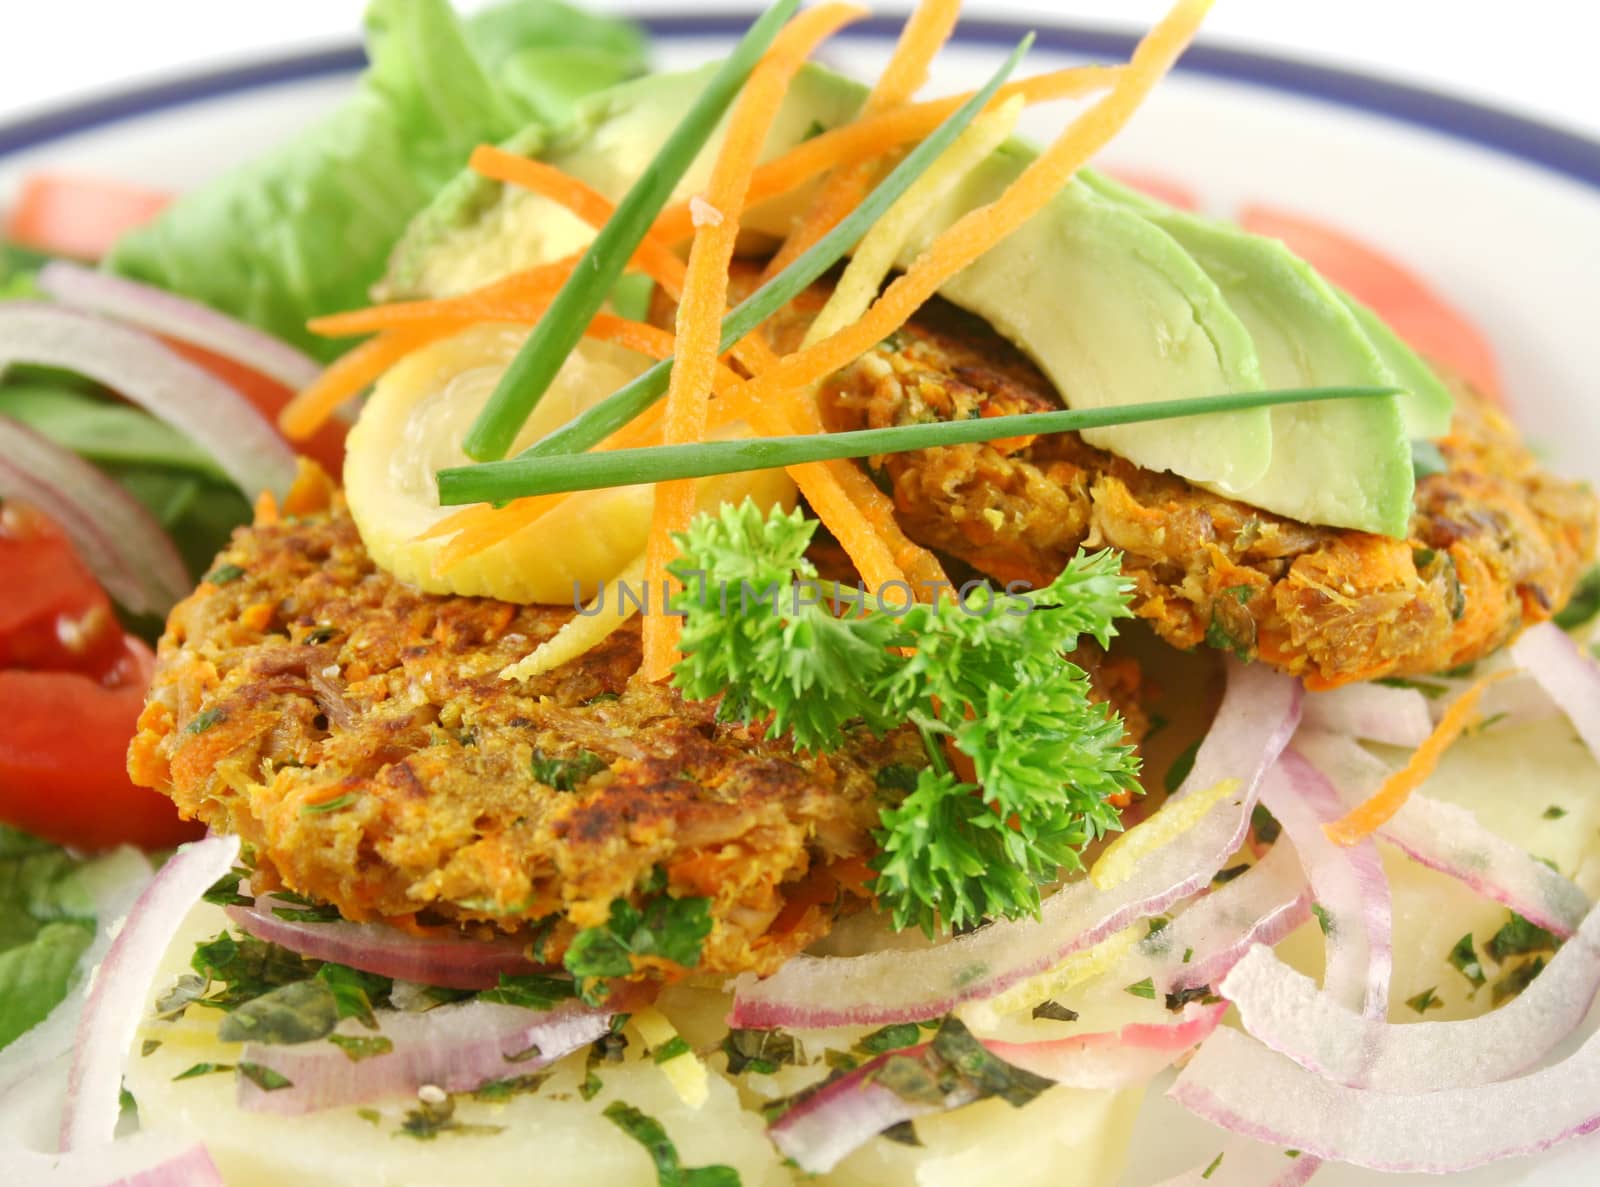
987 676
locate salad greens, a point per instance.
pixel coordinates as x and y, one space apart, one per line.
47 920
984 676
306 228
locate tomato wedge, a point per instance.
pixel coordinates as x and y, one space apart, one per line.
268 396
67 215
54 615
1431 325
63 758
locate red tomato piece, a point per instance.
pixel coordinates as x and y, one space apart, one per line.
65 215
54 615
1426 321
268 396
63 758
1162 189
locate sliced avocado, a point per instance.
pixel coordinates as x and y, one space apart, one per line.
1428 404
1119 313
1306 336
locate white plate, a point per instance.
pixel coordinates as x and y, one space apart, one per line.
1500 213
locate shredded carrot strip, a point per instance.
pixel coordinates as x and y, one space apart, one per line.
925 32
867 139
580 198
541 283
1377 809
980 229
349 375
705 295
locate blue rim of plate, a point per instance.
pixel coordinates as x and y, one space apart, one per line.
1555 149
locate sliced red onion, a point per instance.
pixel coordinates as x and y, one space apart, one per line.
144 1160
1376 712
142 369
1258 716
121 543
453 963
1236 1082
117 987
1284 1010
1571 678
1249 1164
455 1048
1449 839
1348 884
1114 1059
820 1131
166 313
1261 906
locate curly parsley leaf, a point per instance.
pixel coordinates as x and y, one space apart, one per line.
987 674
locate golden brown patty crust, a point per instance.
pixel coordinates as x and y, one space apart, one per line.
1496 543
356 734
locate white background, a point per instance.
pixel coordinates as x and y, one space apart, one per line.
1533 56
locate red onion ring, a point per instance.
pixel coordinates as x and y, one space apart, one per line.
453 963
1449 839
142 369
166 313
1286 1012
1234 1081
121 543
822 1130
118 987
1258 715
455 1047
143 1160
1347 882
1376 712
1567 675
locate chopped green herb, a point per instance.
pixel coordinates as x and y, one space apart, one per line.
1054 1011
245 968
674 1048
566 774
201 722
532 991
1222 637
149 1047
610 1047
356 993
224 891
1427 1000
1229 874
196 1070
1584 603
1554 812
665 927
903 1133
1324 918
1181 766
1157 924
1212 1169
591 1086
897 776
359 1047
894 1037
957 1065
1179 998
1428 688
371 1116
1145 989
647 1131
333 805
1241 593
1519 937
1188 955
430 1119
300 1012
1518 979
264 1078
1464 959
499 1090
1265 825
224 574
760 1051
321 634
185 991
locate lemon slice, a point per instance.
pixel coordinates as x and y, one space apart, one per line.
412 426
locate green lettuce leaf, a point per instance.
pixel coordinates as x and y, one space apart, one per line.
46 921
306 228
